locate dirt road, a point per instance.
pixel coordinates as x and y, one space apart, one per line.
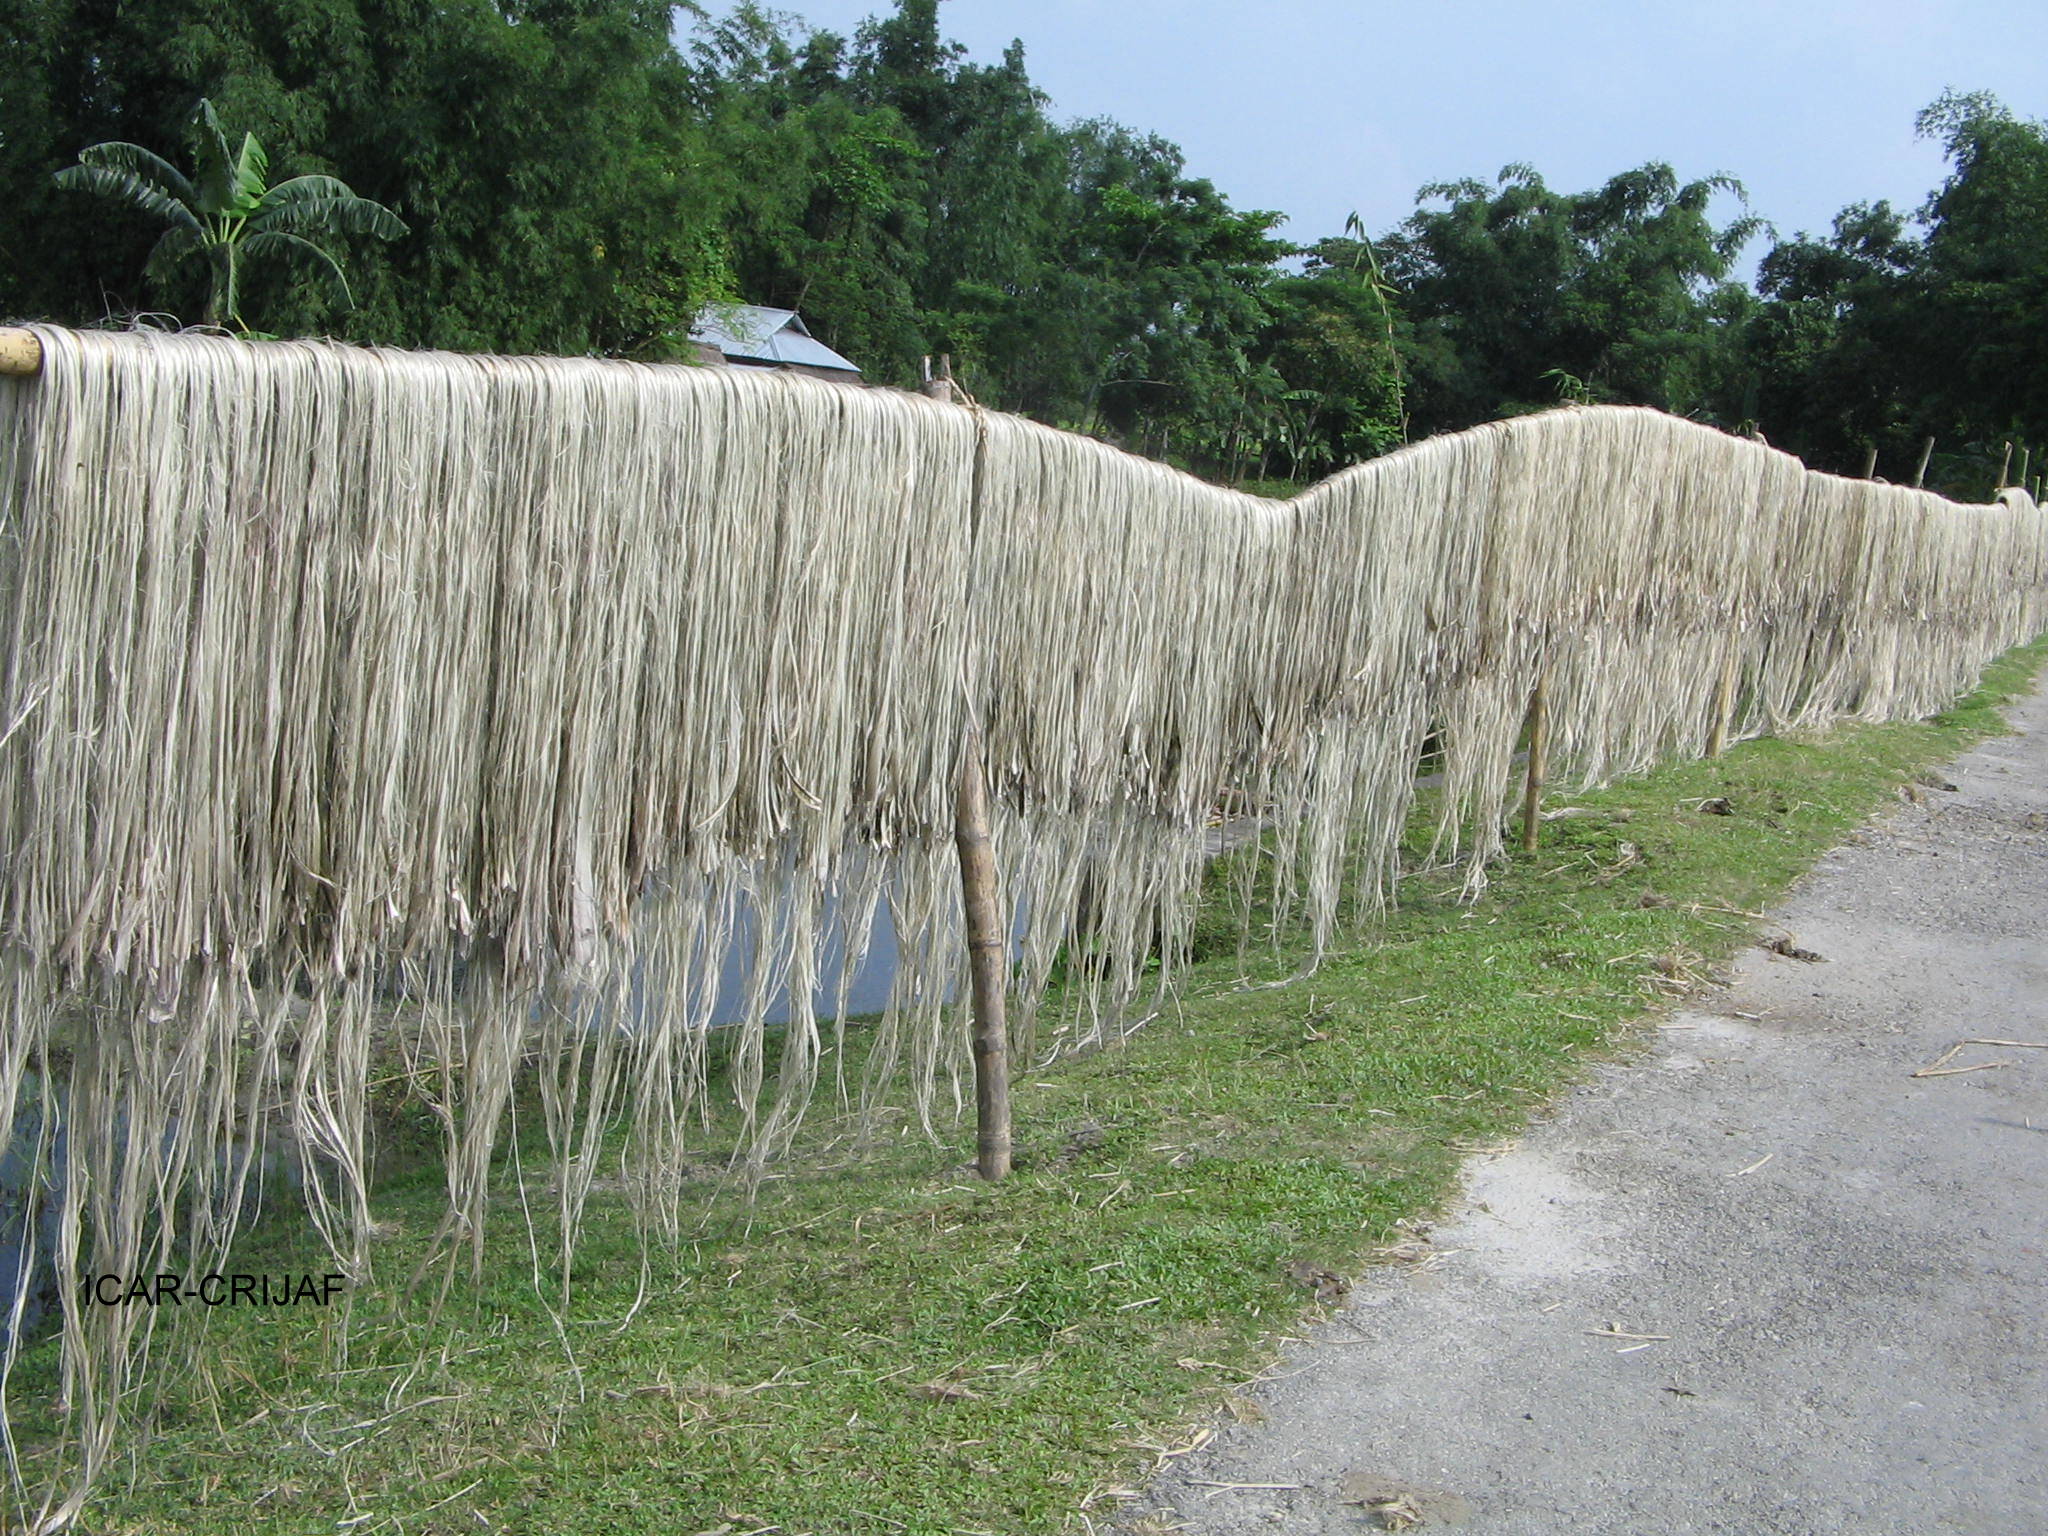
1758 1279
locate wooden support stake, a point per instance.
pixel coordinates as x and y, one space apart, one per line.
21 355
988 957
2005 468
1920 472
1539 751
1724 707
988 935
1870 463
2026 463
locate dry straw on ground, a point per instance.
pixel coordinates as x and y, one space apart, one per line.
480 699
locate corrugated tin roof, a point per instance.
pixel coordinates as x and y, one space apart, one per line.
756 334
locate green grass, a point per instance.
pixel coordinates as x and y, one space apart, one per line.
889 1346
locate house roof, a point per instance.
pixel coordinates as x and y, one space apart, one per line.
753 333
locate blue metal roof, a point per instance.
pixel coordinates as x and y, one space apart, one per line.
753 333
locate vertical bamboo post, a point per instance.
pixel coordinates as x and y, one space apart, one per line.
1870 463
1920 471
1539 752
2005 468
1724 706
988 937
989 965
2026 463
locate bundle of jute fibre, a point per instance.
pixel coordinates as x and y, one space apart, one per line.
361 705
471 713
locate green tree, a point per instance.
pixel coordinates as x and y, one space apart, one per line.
1175 298
1333 345
991 182
229 212
547 154
1822 342
822 191
1978 347
1876 337
909 201
1624 287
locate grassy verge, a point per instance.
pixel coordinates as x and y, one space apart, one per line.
892 1347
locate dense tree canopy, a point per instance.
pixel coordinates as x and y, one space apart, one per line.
583 175
1515 289
1876 339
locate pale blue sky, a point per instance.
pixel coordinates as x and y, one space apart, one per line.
1317 107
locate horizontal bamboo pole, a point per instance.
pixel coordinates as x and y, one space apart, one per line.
21 354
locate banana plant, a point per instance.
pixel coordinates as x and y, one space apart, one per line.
228 212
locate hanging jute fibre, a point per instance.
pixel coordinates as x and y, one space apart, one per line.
465 708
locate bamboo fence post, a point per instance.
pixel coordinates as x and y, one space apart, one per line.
988 962
1724 706
1920 472
988 946
2005 468
1539 751
2026 463
1870 463
21 354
